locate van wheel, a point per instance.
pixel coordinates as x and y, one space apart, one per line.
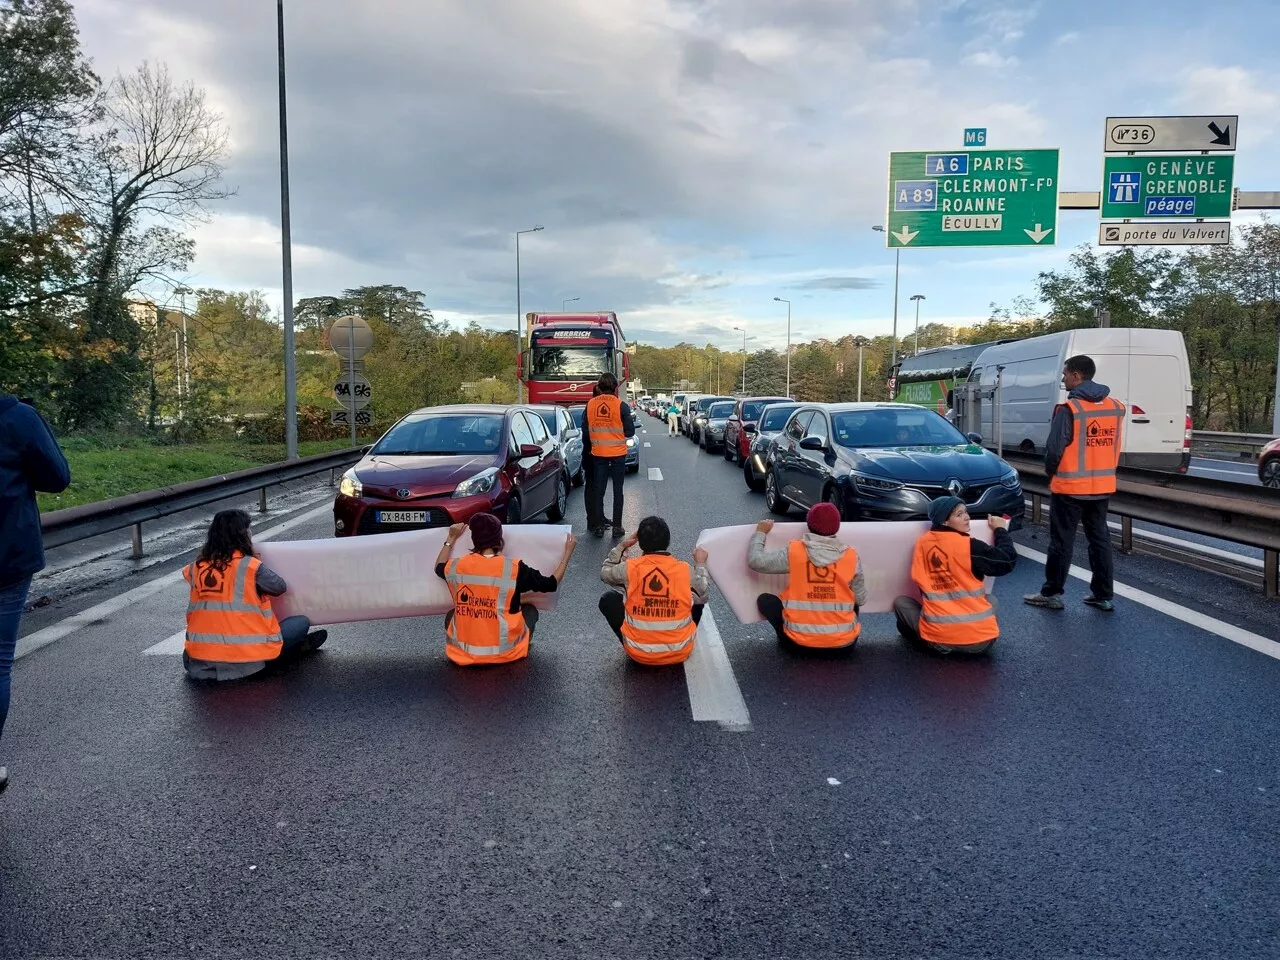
773 498
1027 447
557 511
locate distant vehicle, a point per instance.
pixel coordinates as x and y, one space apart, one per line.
633 448
1147 371
442 465
742 424
685 420
928 378
568 352
698 416
772 419
1269 465
884 461
568 434
711 434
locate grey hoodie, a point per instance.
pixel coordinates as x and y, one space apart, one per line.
1062 429
822 551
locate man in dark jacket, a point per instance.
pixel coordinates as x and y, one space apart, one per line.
589 471
30 460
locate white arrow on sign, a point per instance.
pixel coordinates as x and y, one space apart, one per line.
906 235
1037 234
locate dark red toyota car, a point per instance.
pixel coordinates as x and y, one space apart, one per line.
442 465
742 424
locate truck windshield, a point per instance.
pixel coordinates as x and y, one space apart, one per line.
569 363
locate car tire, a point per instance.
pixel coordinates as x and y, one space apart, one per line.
1269 473
754 483
633 468
558 508
832 496
773 498
513 510
580 477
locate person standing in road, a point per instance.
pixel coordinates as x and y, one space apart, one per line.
825 586
232 631
954 613
657 615
1081 457
490 622
673 419
30 460
609 424
594 520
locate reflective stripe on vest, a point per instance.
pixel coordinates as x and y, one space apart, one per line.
1088 464
955 610
480 584
227 620
818 606
658 625
604 426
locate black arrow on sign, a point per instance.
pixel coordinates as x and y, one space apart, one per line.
1221 137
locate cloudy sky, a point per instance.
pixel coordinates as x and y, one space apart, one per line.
689 159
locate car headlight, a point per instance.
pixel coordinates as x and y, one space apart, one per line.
350 485
875 484
631 441
1011 480
481 483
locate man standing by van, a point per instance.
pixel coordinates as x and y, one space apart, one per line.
609 424
1080 458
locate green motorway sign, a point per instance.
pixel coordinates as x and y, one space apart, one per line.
1186 185
973 198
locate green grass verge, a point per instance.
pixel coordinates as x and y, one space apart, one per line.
105 467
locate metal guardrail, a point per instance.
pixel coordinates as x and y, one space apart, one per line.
60 527
1246 445
1212 508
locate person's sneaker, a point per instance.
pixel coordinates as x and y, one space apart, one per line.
1105 605
598 531
1040 600
4 779
316 639
618 533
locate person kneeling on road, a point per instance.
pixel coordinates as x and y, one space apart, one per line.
948 566
658 617
490 622
825 587
232 632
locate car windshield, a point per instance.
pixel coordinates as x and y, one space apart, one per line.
776 418
720 411
549 418
751 410
894 428
450 433
705 403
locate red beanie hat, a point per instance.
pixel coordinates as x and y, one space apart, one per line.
486 532
824 519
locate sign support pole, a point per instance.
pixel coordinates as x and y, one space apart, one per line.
351 376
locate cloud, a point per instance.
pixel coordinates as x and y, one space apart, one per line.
1237 90
990 60
837 283
1071 36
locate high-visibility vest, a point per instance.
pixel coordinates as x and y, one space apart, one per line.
604 426
483 629
227 620
658 628
818 604
955 609
1088 465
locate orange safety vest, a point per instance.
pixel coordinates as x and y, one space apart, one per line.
227 620
818 604
604 426
956 611
483 629
1088 465
658 628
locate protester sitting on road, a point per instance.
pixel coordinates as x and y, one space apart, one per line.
657 615
954 614
30 460
825 586
232 632
490 622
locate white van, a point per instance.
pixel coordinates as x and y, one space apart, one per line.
1147 371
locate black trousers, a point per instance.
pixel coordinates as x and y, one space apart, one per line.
770 607
615 611
589 491
1065 514
609 469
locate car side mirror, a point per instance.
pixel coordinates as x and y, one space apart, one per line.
975 438
748 428
813 443
530 450
572 434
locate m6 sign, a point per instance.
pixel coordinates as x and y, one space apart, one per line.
973 198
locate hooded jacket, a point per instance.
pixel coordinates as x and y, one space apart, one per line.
822 552
1062 429
30 460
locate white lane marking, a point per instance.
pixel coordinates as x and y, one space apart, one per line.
647 444
1194 617
644 431
1229 473
169 646
655 473
713 689
54 632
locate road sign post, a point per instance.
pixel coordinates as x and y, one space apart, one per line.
973 198
351 337
1174 186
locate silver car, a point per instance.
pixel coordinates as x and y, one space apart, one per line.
633 443
568 435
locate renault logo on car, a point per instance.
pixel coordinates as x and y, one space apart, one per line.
955 487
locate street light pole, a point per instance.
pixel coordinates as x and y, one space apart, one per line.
744 359
897 263
519 315
917 297
286 250
860 342
564 304
186 353
788 303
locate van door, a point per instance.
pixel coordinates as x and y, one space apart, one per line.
1157 402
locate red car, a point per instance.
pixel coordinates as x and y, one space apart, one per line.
442 465
1269 465
742 423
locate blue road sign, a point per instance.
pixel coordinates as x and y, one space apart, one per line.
909 195
975 136
946 164
1123 187
1184 206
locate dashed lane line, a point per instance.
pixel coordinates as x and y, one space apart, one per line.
107 608
655 473
647 443
713 689
1195 618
